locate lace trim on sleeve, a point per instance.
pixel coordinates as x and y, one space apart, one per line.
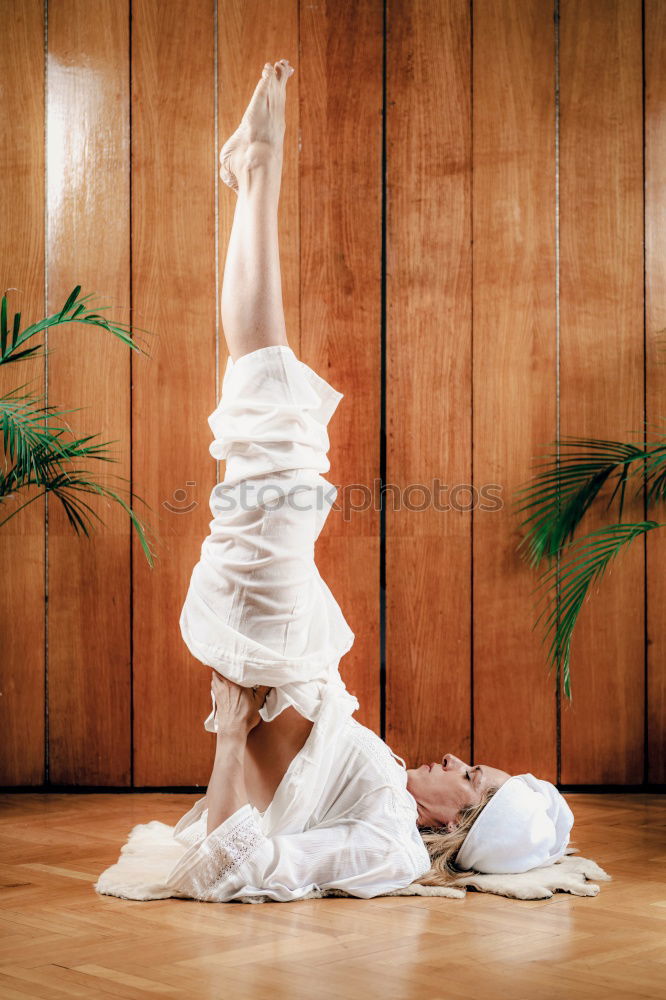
205 868
239 845
219 856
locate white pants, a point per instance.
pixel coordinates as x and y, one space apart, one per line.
256 609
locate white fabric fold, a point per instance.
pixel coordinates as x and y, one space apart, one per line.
257 609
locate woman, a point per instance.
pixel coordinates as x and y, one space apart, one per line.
301 795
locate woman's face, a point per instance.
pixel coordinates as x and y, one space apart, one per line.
443 789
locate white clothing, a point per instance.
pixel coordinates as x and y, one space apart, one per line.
341 818
525 825
257 609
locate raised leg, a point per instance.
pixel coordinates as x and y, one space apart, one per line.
251 164
253 317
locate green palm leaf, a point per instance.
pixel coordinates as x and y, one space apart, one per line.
555 502
568 585
73 311
559 496
39 449
68 486
27 427
35 445
655 473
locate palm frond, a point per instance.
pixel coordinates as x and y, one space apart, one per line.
39 448
26 425
590 556
560 494
73 311
24 428
68 487
35 445
556 499
655 473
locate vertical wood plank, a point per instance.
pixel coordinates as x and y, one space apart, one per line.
655 280
340 204
88 244
514 368
173 280
601 211
22 280
428 380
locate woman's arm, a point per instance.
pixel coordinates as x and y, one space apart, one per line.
365 855
237 711
226 788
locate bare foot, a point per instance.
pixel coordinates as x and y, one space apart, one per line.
258 139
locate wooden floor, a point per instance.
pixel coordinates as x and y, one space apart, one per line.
59 938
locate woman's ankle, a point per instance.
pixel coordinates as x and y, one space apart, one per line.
262 165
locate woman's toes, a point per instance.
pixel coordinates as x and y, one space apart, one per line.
283 70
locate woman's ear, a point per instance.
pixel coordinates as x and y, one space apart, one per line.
451 826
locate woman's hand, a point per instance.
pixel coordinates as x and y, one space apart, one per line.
236 707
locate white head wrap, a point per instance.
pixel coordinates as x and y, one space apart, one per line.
525 825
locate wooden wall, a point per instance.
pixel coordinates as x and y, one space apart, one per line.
472 238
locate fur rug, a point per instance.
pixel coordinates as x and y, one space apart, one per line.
151 852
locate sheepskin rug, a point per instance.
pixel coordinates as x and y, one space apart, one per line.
151 852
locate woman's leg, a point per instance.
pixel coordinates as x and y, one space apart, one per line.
253 317
252 310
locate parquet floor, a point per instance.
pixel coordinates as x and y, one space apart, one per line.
60 939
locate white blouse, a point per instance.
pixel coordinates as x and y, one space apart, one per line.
341 818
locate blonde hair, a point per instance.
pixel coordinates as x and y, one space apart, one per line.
443 846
